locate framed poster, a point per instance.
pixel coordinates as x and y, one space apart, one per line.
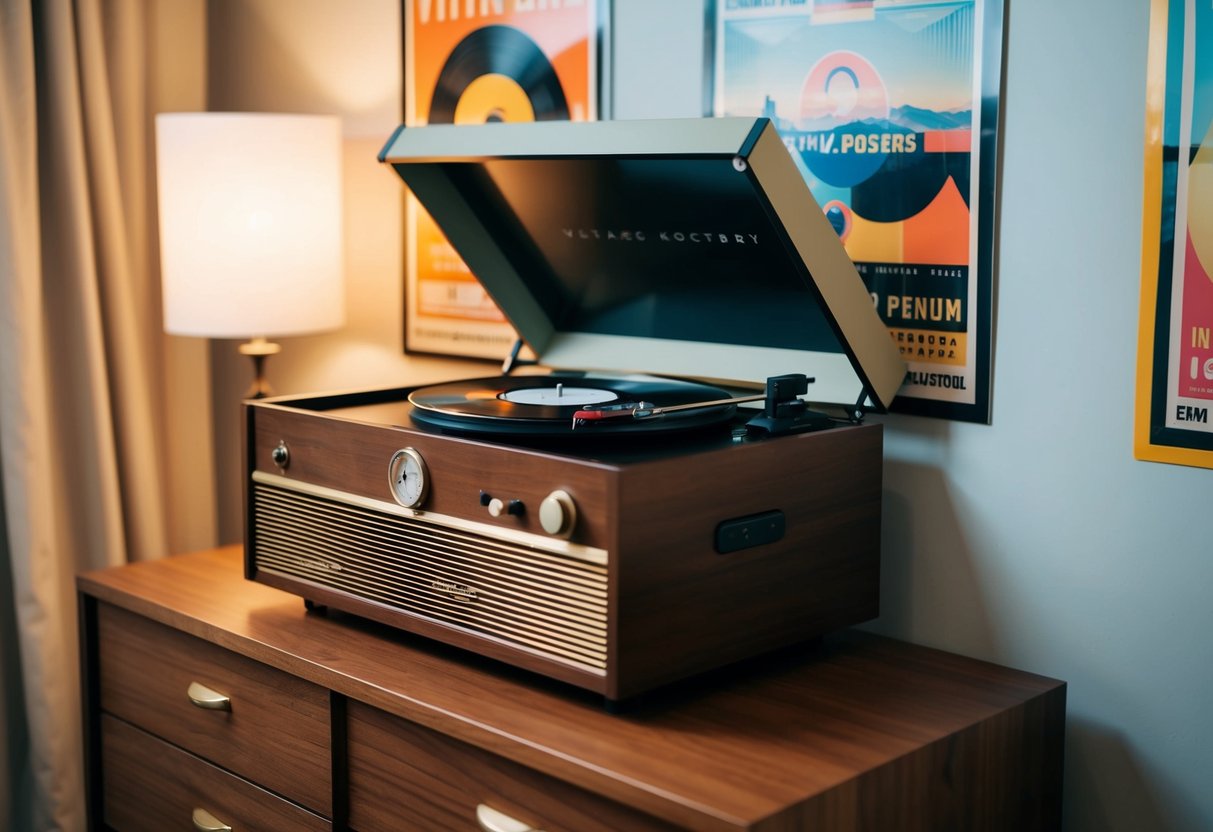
474 62
1175 333
891 107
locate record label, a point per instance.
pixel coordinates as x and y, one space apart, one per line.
493 97
560 395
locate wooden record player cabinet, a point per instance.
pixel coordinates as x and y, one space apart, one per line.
334 722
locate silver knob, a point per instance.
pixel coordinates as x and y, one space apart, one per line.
558 514
281 455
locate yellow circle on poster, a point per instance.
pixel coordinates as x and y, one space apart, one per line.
493 97
1200 204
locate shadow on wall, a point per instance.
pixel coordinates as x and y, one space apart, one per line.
1115 792
931 589
307 56
938 589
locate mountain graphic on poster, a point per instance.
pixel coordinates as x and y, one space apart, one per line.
917 119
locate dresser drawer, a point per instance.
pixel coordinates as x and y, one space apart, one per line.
152 785
404 776
276 732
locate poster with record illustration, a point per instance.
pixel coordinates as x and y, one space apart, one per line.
891 109
1174 418
470 63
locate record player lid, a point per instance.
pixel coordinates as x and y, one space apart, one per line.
688 247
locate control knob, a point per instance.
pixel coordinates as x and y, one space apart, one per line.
558 514
281 455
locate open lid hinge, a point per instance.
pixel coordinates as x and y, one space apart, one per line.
858 412
512 360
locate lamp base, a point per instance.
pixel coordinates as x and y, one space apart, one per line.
259 349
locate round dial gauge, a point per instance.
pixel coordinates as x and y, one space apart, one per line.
408 477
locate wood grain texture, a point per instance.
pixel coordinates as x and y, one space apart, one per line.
351 456
850 733
682 608
153 786
276 733
676 607
403 776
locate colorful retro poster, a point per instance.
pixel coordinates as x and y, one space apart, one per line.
475 62
892 107
1175 336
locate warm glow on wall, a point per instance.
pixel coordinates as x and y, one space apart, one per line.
250 225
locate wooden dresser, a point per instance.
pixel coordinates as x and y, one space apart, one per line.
213 702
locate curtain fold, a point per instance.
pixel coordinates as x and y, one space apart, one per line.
83 471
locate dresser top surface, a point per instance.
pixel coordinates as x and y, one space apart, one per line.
740 744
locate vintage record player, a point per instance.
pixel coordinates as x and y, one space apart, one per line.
615 526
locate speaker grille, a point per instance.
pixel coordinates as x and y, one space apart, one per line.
544 602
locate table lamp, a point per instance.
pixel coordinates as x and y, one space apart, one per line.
250 227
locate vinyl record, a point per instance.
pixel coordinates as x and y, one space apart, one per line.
497 74
544 405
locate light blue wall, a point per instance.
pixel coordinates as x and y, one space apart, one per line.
1038 542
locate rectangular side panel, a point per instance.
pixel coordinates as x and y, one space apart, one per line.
684 608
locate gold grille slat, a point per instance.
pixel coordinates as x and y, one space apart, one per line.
434 607
331 498
573 605
588 575
291 553
540 641
551 605
503 574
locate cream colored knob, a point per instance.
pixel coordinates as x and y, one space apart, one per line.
496 507
558 514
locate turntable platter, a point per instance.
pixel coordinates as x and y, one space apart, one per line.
544 405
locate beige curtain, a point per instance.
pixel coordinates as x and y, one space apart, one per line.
83 445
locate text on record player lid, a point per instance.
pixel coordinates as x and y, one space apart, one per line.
686 247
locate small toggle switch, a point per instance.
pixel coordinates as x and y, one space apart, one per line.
485 498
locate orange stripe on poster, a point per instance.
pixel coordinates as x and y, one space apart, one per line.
947 141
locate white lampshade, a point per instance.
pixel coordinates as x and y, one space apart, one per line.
250 223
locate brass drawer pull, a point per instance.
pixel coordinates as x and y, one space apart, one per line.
204 821
491 820
204 697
